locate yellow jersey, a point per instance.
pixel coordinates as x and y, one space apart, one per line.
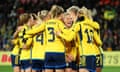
38 48
70 46
53 42
15 50
87 36
25 53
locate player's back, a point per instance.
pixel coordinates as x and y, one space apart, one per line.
21 36
87 33
38 48
22 41
54 43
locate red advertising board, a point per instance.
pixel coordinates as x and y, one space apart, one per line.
5 58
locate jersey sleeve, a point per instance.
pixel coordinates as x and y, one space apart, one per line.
97 39
76 26
15 41
28 42
38 29
64 33
94 24
28 36
60 25
68 36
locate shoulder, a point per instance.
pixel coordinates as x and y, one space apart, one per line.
95 22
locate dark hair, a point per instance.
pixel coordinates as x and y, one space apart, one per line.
81 18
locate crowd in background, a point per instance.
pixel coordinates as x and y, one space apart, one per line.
106 12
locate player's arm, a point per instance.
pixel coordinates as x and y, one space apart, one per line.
84 19
93 24
67 36
97 39
96 25
38 29
14 41
28 43
70 34
15 35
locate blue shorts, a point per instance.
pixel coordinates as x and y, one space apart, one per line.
55 60
99 60
37 64
25 64
15 60
72 65
88 62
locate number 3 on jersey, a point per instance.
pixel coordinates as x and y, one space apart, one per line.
51 34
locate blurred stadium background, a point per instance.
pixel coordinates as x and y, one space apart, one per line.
106 12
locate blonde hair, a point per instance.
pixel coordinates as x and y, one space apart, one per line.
74 9
56 11
66 14
43 14
89 13
23 18
85 12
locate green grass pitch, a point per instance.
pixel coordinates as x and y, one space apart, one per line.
105 69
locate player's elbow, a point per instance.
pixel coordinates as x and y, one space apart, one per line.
99 43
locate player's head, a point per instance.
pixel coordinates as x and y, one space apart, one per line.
43 14
89 14
34 19
74 11
85 12
27 19
23 19
56 11
67 20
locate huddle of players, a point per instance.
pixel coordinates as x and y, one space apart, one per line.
57 41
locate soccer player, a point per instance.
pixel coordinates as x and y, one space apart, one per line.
24 44
97 48
38 44
70 47
72 52
87 38
15 56
55 53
